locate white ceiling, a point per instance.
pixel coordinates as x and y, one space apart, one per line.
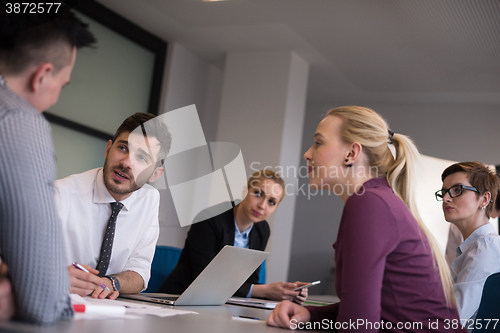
386 50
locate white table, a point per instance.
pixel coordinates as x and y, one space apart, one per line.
211 319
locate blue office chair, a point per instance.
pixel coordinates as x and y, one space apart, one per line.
489 308
262 274
164 262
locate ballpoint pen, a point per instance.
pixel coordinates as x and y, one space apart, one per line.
80 267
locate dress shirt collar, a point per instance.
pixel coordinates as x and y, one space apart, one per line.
479 232
102 195
243 234
242 239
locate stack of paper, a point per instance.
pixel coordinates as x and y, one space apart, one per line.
106 308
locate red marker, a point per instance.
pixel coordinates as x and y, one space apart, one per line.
100 309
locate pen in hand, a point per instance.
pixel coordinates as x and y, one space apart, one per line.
80 267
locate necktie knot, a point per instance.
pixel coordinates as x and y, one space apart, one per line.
116 207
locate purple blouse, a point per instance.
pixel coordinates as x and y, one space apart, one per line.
385 276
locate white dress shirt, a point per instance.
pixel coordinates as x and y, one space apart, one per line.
83 205
478 258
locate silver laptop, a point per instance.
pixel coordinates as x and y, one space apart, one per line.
222 277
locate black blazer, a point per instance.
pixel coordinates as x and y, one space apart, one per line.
204 240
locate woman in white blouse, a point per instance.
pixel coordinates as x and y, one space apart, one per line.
468 194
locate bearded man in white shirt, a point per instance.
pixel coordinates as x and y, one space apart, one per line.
116 254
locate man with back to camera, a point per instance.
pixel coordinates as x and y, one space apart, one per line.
110 215
35 64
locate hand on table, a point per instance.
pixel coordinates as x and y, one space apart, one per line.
103 293
285 312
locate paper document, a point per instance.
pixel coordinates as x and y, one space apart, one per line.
85 309
132 308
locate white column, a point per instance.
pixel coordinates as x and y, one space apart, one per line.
188 80
262 110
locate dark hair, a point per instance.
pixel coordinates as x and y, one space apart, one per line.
38 39
497 202
480 176
151 126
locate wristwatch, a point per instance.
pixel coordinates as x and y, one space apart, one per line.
115 282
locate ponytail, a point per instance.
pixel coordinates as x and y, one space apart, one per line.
402 178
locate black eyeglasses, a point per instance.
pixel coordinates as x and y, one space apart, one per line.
454 191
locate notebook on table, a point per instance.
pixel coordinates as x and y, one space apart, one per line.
222 277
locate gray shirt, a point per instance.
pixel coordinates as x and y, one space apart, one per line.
30 235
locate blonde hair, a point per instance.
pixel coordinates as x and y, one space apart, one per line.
269 174
368 128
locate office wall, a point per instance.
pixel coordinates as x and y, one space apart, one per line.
188 80
453 131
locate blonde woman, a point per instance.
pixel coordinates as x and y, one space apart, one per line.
390 273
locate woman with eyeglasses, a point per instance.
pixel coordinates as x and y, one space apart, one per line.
468 195
390 274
